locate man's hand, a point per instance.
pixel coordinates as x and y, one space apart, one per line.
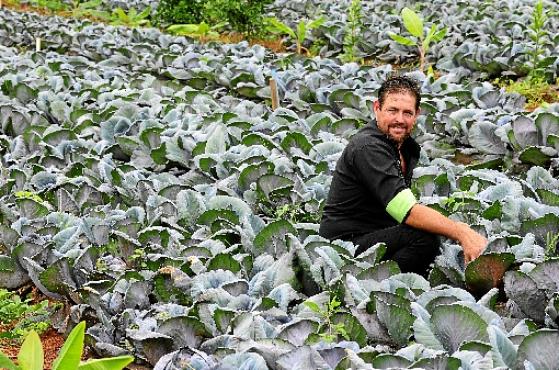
425 218
472 242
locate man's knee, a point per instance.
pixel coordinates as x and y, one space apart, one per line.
428 243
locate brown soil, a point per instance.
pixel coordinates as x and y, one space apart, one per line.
551 96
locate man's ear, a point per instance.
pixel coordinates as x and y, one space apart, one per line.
376 105
418 112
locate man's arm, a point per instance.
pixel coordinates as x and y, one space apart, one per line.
427 219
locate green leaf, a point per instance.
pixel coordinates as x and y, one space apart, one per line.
222 318
272 237
204 28
31 355
31 208
454 324
397 319
412 22
351 327
390 361
144 13
7 264
223 261
115 363
296 139
6 363
71 352
277 26
273 185
535 155
402 40
437 362
120 14
440 34
184 29
316 23
159 155
427 41
301 32
313 306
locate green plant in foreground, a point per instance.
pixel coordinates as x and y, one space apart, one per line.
13 308
131 19
298 34
352 32
414 25
328 330
31 355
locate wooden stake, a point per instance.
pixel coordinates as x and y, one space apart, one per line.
38 44
0 3
275 96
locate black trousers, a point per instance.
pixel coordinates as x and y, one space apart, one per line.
414 250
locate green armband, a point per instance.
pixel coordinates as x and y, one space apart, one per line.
401 204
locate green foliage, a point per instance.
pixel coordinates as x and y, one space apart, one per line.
88 9
538 34
179 12
328 330
457 201
24 194
27 315
50 5
299 34
131 19
535 86
31 356
352 32
414 25
295 213
551 244
138 258
244 16
536 90
202 30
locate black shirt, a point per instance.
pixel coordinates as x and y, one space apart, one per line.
367 177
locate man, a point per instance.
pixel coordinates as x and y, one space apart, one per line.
370 200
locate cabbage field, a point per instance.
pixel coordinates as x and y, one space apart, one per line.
148 184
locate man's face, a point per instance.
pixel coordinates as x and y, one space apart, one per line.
397 115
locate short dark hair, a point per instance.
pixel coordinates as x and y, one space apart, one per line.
400 84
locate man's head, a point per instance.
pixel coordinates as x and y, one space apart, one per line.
397 107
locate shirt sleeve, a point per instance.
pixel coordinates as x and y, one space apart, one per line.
380 173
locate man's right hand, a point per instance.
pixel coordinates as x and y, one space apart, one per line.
472 242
